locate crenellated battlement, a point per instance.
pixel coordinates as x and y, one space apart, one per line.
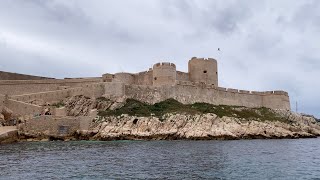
202 59
201 85
164 64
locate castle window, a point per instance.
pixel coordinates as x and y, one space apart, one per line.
155 78
205 71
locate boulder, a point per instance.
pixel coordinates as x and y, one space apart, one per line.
7 113
2 121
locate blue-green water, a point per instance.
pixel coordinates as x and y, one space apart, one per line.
243 159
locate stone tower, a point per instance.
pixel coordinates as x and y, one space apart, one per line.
203 70
164 74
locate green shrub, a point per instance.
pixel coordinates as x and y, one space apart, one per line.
58 104
136 108
102 99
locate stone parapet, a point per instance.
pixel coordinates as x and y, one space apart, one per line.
50 126
22 108
16 76
49 81
233 90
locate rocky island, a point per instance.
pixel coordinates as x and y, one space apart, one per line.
159 104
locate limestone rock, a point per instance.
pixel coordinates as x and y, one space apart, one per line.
7 113
103 104
2 121
81 105
206 126
117 103
78 106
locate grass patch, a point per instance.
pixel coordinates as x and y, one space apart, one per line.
102 99
58 104
136 108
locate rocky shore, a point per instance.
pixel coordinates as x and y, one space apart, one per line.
129 119
185 127
199 127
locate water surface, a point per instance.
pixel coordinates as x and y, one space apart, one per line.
241 159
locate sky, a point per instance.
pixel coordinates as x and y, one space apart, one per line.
264 45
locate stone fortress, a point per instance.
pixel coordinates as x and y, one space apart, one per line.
163 81
199 84
203 71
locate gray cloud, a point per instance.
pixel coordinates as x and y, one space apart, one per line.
265 44
307 16
228 19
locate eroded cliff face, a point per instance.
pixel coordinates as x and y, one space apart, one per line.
200 127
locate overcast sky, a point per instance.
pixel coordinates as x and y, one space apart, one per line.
265 45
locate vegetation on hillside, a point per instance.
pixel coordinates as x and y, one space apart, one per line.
136 108
58 104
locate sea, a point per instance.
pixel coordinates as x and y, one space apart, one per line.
233 159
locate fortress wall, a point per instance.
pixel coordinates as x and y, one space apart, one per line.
149 94
280 93
50 125
114 89
126 78
233 97
2 98
189 94
233 90
144 78
244 91
221 89
16 76
21 108
67 81
89 90
17 89
192 94
185 83
277 101
33 86
182 76
49 96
